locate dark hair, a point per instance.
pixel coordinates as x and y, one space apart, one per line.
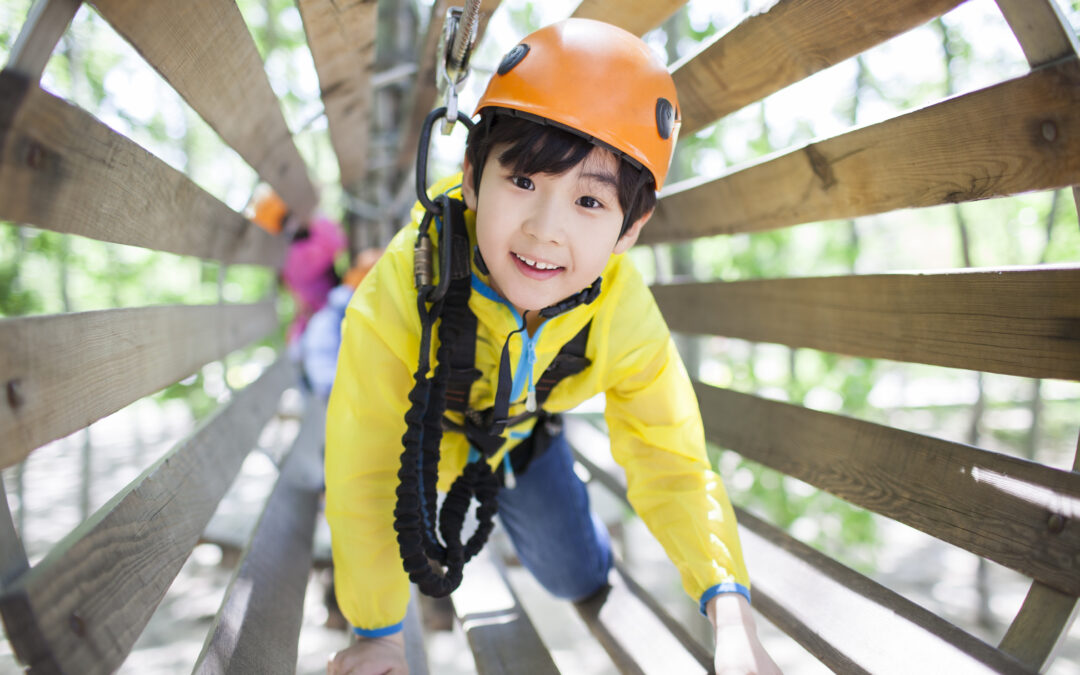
539 147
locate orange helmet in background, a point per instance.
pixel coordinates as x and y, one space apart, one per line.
598 80
365 260
270 212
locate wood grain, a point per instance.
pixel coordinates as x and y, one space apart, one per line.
82 607
257 628
502 638
1016 136
1001 508
342 40
46 23
63 170
205 51
1023 322
63 372
1042 30
637 16
848 621
783 43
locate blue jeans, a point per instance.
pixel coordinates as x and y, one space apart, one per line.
556 536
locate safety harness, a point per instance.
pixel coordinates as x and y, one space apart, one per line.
436 566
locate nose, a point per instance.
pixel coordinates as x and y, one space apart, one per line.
546 222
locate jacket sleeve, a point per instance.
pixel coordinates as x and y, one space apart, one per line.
657 437
365 423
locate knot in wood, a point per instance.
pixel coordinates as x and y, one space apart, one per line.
1049 131
35 155
14 393
77 624
1056 523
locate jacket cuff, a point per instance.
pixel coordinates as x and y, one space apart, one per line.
380 632
726 587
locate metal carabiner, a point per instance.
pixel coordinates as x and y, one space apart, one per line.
452 67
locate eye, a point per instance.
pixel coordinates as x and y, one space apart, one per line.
523 182
590 202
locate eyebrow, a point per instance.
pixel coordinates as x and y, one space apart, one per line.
605 178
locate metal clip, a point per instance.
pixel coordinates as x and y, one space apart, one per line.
422 264
455 47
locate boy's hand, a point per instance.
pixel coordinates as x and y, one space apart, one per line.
738 649
371 656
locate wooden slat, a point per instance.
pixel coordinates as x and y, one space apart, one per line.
63 170
257 628
849 622
342 41
1041 625
1013 137
637 16
205 51
998 507
425 89
786 42
63 372
638 641
415 652
1022 322
501 636
1042 30
13 562
81 609
46 23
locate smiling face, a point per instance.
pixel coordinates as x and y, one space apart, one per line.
545 237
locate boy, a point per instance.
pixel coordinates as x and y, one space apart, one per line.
575 134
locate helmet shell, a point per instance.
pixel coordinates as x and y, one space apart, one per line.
270 212
598 80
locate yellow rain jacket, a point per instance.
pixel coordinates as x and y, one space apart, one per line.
651 411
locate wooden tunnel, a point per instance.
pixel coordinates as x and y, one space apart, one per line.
82 607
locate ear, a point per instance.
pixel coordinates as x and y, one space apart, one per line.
630 238
467 190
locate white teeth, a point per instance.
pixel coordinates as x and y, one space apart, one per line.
537 265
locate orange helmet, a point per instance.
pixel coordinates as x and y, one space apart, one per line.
270 212
365 260
598 80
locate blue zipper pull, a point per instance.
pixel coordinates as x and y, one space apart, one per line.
508 470
530 397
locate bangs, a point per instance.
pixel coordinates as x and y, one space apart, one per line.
538 148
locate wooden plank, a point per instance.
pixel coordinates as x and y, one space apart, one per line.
63 170
637 634
637 16
257 628
1042 30
342 41
1043 622
46 23
425 89
13 562
82 608
848 621
785 42
205 51
1020 514
415 653
501 636
1022 322
1013 137
62 372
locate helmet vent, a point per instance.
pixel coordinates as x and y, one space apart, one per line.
665 117
512 58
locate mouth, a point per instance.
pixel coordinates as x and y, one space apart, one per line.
535 269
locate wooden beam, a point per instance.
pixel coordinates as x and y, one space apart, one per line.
13 562
81 609
1042 624
849 622
1014 321
1013 137
342 41
205 51
1008 510
63 170
638 635
425 88
46 23
1042 30
501 636
258 626
637 16
783 43
63 372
